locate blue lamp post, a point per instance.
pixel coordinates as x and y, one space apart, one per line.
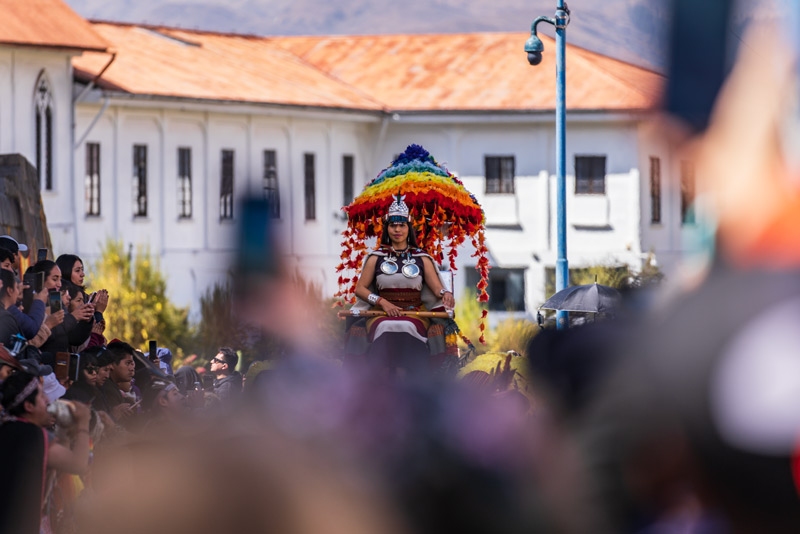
534 48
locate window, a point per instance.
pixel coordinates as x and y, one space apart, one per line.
499 171
92 185
347 179
271 193
687 192
226 186
506 288
184 183
44 133
310 188
140 180
655 190
590 175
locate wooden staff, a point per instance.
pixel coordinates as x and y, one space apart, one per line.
376 313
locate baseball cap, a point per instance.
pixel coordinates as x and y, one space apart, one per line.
6 241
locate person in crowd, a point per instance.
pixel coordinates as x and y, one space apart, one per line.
7 259
9 243
29 452
8 297
122 367
30 322
228 381
164 403
72 271
8 364
77 326
103 358
86 385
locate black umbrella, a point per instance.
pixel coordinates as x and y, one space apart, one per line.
592 298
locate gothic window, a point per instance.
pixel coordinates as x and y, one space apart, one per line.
44 133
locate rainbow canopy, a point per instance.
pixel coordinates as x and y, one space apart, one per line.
442 211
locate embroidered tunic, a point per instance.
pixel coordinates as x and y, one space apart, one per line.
401 290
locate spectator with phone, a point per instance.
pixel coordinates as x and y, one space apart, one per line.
8 297
77 326
72 270
29 323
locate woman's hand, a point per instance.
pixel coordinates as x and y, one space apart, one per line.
54 319
84 312
390 309
99 327
101 300
448 300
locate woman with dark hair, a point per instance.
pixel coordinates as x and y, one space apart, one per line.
393 280
72 271
85 388
77 325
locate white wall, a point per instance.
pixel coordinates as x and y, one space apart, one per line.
20 68
197 252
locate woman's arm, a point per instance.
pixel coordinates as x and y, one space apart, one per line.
435 283
366 279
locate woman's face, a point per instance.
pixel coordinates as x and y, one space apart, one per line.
65 300
90 375
102 374
77 273
398 232
76 302
53 280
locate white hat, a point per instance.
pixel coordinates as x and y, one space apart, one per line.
20 247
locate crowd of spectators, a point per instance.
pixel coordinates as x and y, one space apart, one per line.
67 392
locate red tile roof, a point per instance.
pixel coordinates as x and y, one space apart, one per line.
169 62
48 23
446 72
475 71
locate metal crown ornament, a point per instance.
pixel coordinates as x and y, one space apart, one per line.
398 211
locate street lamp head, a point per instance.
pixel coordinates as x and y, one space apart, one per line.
534 49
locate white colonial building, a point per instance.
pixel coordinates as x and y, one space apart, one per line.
158 131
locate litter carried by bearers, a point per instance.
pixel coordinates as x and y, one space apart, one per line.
402 313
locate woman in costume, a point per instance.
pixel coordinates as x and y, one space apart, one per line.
398 277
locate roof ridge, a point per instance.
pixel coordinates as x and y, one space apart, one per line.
156 27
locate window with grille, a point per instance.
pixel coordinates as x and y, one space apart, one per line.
226 186
310 187
271 192
184 183
92 180
655 190
506 288
590 175
348 163
140 180
44 133
687 192
499 172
